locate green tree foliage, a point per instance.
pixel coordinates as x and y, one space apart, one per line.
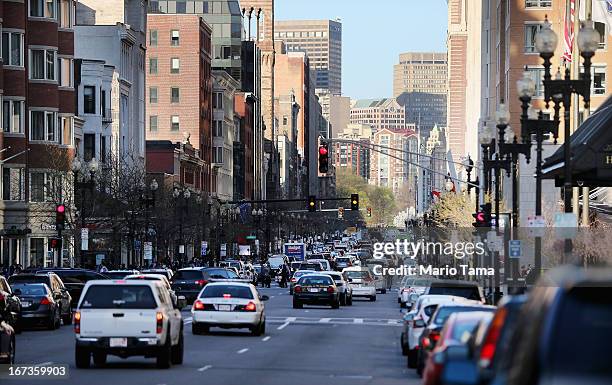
380 199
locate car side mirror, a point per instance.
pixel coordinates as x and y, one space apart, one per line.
419 323
264 297
181 302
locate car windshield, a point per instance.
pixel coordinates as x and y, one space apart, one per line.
315 281
219 273
310 266
26 290
462 331
358 274
221 291
343 260
119 296
28 279
469 292
187 275
444 312
584 319
298 274
429 310
420 283
276 261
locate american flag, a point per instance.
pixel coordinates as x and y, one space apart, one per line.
568 33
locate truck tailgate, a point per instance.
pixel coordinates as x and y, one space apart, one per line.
118 323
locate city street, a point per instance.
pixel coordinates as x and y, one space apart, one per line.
316 345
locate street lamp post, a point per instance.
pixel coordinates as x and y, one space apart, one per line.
80 187
149 203
176 193
469 167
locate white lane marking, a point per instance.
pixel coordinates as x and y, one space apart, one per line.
324 320
189 319
306 311
283 326
266 338
45 363
358 321
272 296
203 368
242 350
392 321
291 319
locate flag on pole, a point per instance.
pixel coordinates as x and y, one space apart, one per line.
568 31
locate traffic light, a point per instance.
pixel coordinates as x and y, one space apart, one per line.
55 243
323 159
312 203
483 218
60 217
341 213
369 211
355 202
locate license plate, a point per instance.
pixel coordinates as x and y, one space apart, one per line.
26 304
313 290
118 342
225 307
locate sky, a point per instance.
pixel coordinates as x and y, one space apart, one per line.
375 32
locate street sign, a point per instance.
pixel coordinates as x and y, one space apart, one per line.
148 250
203 248
137 244
251 237
515 248
244 250
181 249
99 259
223 252
84 239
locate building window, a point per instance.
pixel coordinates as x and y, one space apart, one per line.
66 130
175 95
89 147
218 100
598 75
43 8
65 72
43 126
89 100
153 123
153 66
175 123
37 252
12 116
12 183
42 64
37 186
12 48
537 74
218 128
66 14
153 38
601 28
538 3
152 95
530 33
217 155
175 65
174 38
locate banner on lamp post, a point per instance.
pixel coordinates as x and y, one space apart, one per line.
84 239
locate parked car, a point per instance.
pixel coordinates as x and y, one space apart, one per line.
432 332
10 305
452 343
74 280
316 289
128 318
39 307
59 292
7 341
346 291
361 281
229 305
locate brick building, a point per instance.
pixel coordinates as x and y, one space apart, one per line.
179 86
37 136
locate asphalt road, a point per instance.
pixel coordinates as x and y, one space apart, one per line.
352 345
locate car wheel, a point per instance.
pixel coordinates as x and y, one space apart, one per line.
373 298
99 359
297 304
178 350
402 304
18 325
290 291
256 330
399 300
384 291
10 357
164 354
336 304
343 300
263 327
404 347
196 328
349 301
82 357
68 317
52 321
412 358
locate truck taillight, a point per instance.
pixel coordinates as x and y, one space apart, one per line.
77 322
160 322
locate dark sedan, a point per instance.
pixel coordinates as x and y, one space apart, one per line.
315 289
188 282
59 292
38 305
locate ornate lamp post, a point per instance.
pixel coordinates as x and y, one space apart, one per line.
176 193
469 167
81 186
149 203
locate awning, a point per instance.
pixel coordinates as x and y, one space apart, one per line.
591 152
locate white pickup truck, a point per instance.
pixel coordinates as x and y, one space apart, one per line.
128 318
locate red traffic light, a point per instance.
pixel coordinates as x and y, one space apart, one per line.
480 217
60 209
323 150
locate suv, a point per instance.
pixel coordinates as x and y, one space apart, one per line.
74 280
128 318
60 294
188 282
10 305
465 289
